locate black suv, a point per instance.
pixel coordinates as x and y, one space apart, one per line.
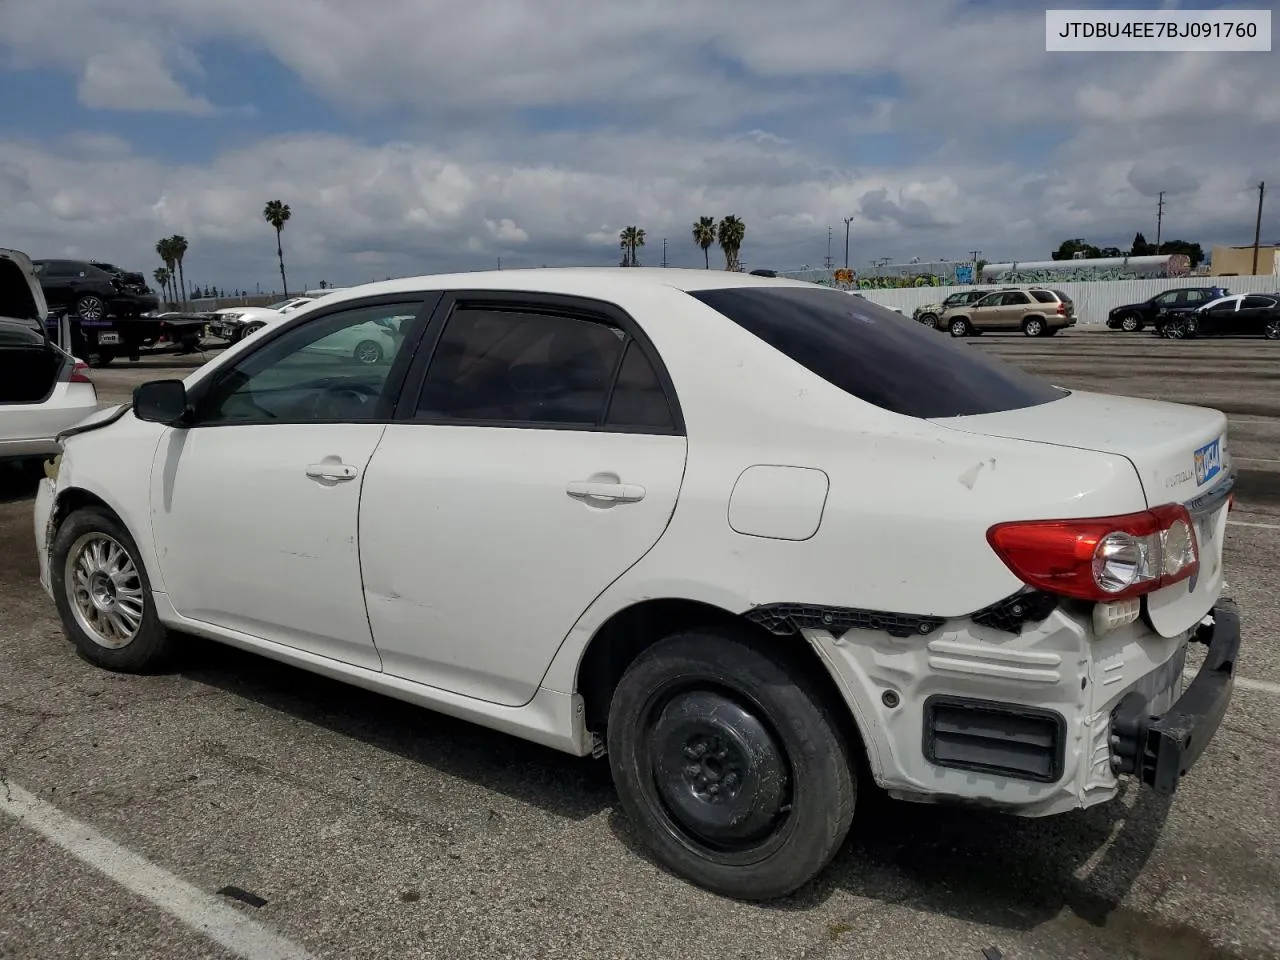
1132 317
93 292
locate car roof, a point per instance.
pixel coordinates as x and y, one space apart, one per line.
597 282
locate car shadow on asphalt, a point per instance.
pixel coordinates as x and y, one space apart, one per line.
973 865
555 782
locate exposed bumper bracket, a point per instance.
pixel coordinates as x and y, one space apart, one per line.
1160 749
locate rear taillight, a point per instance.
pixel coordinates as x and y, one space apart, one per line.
1103 558
1062 309
80 373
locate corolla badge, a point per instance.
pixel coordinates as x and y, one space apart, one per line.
1208 461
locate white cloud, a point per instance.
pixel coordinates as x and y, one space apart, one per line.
941 125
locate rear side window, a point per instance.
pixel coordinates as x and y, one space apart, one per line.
1044 296
878 355
1256 303
512 366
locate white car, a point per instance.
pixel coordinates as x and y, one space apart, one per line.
762 543
233 323
43 388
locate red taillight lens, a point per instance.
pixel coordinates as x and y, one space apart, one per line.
1062 309
80 373
1103 558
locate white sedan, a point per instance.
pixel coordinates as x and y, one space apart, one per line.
233 323
43 388
762 543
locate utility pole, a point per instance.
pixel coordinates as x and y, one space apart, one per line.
664 251
847 221
828 263
499 263
1159 220
1257 228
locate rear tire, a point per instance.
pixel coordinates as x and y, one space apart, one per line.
103 596
730 767
1034 327
105 356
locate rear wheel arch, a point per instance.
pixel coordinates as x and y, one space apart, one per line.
630 631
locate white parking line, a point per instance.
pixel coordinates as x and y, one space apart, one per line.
1259 526
1240 420
200 911
1262 686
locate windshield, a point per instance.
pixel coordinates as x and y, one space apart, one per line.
878 355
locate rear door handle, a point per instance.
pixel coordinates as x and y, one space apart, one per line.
596 490
334 472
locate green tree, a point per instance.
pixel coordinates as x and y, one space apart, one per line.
704 235
162 280
1069 249
179 251
731 232
164 249
277 214
1140 246
1194 252
630 239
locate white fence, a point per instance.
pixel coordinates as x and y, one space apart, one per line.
1093 300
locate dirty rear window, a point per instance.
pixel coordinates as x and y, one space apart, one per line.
878 355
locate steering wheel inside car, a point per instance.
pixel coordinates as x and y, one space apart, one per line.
338 401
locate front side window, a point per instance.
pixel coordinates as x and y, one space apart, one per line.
878 355
333 367
991 300
516 366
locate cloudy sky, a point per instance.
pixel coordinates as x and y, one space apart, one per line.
412 136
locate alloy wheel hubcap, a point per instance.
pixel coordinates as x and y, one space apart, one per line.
105 590
91 309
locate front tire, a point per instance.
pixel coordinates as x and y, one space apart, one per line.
1131 323
929 319
1272 330
103 595
960 327
91 307
731 769
367 351
249 330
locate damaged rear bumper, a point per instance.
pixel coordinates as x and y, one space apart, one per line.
1159 749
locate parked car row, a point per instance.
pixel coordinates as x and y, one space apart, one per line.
1035 311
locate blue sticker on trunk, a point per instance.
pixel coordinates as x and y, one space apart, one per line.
1208 462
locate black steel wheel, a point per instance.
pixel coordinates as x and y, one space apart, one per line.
730 765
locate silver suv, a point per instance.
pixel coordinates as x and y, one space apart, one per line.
1036 311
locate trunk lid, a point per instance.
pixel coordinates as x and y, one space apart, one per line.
20 295
1179 453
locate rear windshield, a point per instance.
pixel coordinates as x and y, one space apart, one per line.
878 355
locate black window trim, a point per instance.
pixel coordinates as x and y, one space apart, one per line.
565 305
392 387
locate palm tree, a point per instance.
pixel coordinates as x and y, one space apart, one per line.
277 214
630 238
730 233
704 235
179 251
162 279
164 248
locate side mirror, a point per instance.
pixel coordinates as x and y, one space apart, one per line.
161 401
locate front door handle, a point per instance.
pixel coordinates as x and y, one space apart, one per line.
613 492
333 472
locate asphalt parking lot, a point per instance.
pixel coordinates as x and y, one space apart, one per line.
364 828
